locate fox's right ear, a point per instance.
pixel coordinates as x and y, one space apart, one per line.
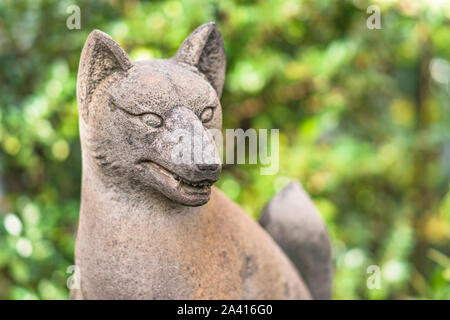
101 57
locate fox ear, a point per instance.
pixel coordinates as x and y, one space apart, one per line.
204 51
101 57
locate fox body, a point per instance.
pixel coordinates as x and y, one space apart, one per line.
154 228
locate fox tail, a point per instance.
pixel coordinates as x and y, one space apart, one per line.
294 222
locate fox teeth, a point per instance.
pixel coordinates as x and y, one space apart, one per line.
194 184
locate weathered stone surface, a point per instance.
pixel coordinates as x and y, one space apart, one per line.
292 219
144 232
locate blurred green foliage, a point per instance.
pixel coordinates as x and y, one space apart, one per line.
364 118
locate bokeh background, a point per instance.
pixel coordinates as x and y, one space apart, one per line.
364 119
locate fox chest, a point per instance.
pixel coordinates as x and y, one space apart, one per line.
159 265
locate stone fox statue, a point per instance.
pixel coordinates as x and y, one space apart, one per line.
150 228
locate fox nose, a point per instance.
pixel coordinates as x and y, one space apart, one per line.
213 167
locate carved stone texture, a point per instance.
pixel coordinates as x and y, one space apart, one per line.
152 228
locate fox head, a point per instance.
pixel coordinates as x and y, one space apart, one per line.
131 114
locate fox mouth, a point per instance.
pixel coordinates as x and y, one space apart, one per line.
188 192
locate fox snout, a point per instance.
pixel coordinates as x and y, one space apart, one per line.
208 167
183 162
188 149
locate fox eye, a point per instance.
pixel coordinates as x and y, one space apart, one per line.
152 120
207 114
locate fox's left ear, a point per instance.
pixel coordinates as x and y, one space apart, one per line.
204 51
